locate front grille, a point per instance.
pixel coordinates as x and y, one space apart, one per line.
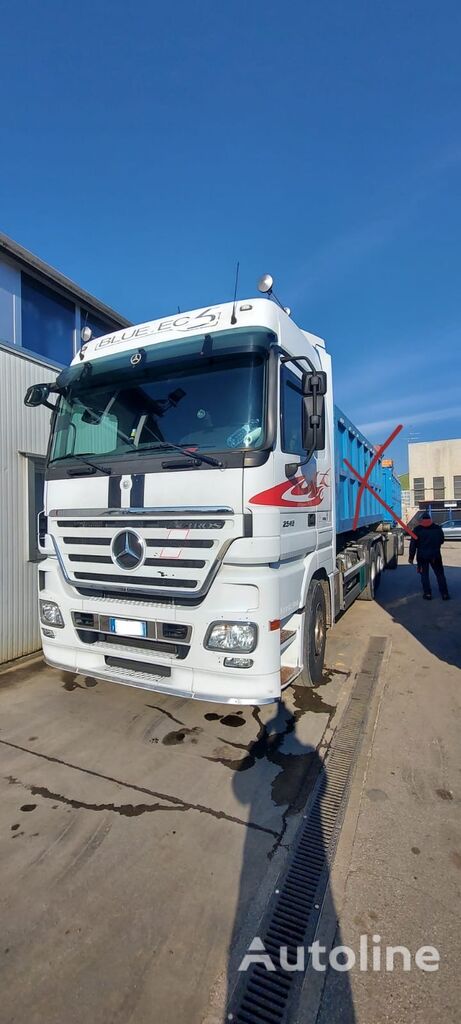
177 651
181 554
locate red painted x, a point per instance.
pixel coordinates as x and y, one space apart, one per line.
364 483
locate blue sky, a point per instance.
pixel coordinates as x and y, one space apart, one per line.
147 147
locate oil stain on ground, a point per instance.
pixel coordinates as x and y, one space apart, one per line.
298 771
172 738
232 721
69 682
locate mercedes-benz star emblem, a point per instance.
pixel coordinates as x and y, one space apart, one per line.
136 359
128 549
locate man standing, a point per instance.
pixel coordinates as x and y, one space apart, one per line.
426 547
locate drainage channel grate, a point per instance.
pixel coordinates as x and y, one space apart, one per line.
266 997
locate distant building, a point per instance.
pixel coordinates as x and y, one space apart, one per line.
41 315
407 508
435 477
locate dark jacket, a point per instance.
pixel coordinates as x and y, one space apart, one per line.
429 541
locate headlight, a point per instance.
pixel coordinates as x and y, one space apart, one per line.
50 614
232 636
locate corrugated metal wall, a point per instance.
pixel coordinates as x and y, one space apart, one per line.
23 430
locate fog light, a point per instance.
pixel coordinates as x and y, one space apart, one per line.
238 662
50 614
232 636
48 632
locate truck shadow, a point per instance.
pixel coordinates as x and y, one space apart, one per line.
297 770
435 624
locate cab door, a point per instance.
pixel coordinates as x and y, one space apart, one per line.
301 496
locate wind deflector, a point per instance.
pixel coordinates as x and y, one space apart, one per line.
73 375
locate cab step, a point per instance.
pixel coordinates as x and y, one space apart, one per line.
288 674
286 638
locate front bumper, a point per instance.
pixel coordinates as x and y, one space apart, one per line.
201 674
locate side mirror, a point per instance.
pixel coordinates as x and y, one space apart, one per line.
313 425
38 395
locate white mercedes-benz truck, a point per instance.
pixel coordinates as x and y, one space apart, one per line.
197 530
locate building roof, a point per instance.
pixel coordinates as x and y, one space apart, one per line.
28 261
441 440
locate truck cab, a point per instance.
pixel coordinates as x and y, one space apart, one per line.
188 530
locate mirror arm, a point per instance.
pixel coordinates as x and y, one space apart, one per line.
297 360
310 452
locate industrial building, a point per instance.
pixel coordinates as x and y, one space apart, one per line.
41 316
435 477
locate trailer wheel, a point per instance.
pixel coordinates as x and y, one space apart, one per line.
314 636
368 593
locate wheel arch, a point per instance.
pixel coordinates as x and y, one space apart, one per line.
322 576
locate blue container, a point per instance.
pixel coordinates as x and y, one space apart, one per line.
352 445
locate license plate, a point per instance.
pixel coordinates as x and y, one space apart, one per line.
128 627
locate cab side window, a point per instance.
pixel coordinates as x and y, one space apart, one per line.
290 412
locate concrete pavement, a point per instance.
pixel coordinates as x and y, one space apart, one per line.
141 836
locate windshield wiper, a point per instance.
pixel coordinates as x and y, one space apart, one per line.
94 465
198 456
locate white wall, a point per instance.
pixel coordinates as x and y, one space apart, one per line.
435 458
24 430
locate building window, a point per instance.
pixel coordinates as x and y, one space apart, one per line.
457 488
418 487
48 321
438 483
35 502
291 412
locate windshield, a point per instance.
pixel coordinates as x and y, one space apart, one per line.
203 393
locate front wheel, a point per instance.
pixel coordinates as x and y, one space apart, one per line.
314 636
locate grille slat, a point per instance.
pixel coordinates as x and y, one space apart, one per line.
151 542
136 581
145 524
183 563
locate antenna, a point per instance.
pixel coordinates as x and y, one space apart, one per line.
233 317
266 285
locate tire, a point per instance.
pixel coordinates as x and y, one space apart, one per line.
368 593
314 636
379 552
